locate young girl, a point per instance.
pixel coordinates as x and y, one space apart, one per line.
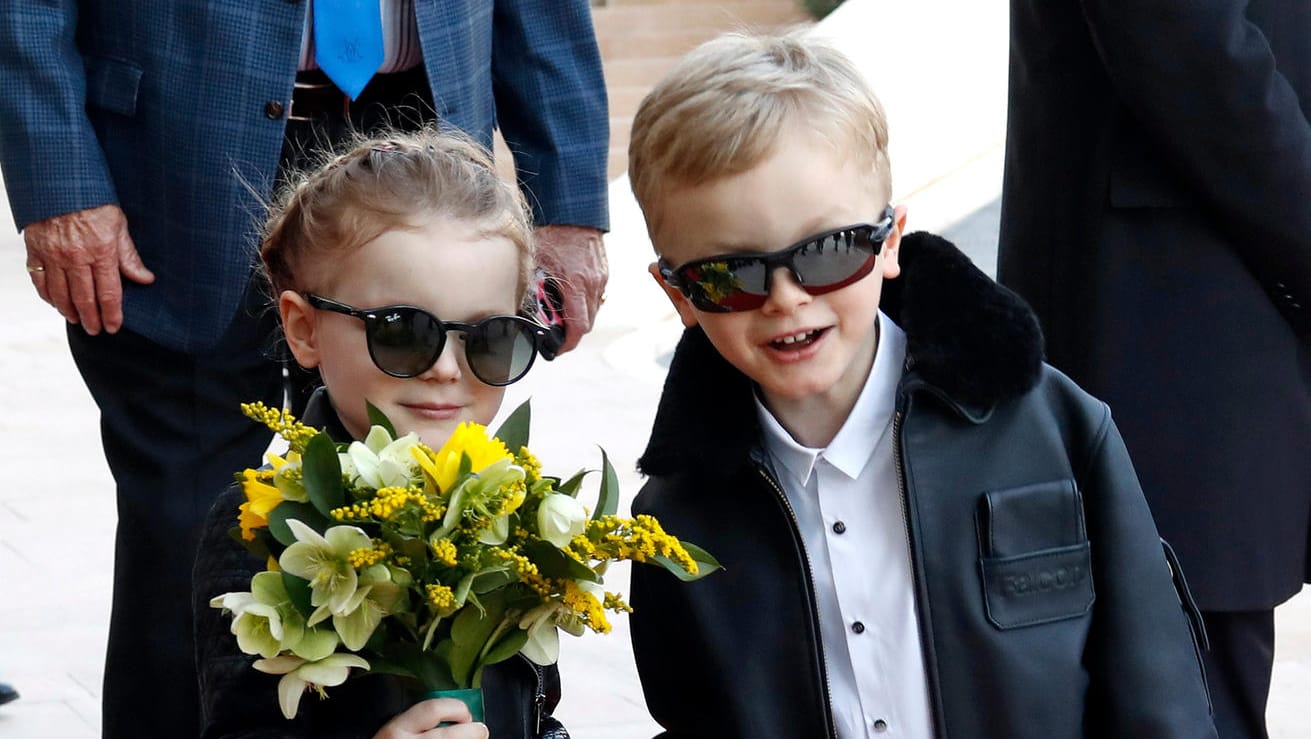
399 270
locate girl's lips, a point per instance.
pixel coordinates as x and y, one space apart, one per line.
437 411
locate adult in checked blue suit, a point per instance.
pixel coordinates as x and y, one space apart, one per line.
137 139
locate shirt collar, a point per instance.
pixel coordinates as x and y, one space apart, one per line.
862 432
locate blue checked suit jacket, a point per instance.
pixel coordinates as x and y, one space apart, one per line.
160 106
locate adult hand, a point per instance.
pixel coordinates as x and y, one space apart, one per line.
422 719
575 257
75 260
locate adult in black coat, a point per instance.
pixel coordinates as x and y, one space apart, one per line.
1156 212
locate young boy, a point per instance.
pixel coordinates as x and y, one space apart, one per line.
925 530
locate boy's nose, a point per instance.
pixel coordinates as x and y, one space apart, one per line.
785 293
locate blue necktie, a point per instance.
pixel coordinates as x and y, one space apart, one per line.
348 42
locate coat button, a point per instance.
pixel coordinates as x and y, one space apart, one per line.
273 110
880 726
839 528
858 627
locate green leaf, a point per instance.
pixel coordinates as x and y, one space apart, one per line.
486 582
506 647
570 486
469 634
514 432
303 512
378 418
607 500
552 562
322 474
705 563
298 589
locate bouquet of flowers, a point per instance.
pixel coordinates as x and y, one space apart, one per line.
389 557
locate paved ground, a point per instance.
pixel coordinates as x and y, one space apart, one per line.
57 512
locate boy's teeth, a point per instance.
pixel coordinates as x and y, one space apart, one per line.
794 338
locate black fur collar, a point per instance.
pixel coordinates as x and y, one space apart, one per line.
974 342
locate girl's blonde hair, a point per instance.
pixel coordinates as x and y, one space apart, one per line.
395 181
723 108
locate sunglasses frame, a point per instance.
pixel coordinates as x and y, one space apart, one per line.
879 232
535 332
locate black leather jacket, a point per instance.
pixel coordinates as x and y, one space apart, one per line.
239 701
1046 605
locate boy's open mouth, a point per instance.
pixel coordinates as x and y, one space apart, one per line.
797 341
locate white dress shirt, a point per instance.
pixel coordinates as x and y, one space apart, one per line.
848 509
400 37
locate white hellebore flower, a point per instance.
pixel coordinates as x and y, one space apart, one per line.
324 561
298 675
560 518
264 620
380 462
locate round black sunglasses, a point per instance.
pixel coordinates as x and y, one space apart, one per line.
820 264
404 340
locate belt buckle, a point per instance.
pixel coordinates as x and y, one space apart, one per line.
315 87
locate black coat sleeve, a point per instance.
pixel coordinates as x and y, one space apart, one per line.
1142 658
1202 78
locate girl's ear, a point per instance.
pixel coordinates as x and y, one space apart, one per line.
681 303
298 326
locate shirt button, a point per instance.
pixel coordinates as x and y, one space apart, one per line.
273 110
880 726
858 627
839 528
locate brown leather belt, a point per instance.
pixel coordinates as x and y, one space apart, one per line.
314 96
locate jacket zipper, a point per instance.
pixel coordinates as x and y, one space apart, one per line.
539 697
921 597
830 729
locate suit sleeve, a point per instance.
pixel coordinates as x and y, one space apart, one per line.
1143 660
552 109
1203 79
49 154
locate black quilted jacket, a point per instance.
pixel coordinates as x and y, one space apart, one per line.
239 701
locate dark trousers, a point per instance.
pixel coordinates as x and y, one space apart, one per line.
1238 667
173 435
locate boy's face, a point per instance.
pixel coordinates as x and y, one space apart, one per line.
805 352
449 268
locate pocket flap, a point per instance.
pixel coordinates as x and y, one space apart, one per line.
112 85
1039 587
1046 515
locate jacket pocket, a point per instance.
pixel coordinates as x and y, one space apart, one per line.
112 85
1034 561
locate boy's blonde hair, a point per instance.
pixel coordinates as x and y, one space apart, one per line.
722 109
394 181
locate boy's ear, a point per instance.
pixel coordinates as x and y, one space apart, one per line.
298 327
892 245
681 304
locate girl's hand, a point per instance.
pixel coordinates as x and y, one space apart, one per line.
423 718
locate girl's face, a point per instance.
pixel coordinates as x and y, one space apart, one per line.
452 269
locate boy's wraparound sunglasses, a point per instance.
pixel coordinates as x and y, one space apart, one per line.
820 264
404 340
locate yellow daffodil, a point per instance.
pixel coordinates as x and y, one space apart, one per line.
468 438
261 498
299 675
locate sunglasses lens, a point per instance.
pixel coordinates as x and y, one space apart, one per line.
500 350
834 261
405 342
727 285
